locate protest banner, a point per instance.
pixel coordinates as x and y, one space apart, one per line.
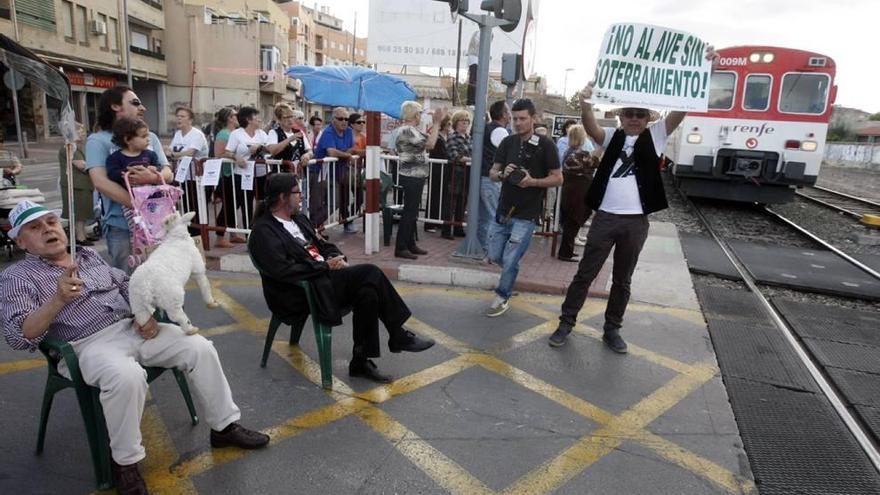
647 66
211 172
182 169
247 177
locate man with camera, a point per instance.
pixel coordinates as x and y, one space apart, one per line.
526 164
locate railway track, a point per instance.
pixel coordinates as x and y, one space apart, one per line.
847 204
828 389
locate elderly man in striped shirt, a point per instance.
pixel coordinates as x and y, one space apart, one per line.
85 302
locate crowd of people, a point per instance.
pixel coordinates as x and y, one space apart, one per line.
80 298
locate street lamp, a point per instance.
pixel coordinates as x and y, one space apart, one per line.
565 83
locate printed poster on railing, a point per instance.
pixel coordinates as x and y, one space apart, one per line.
652 67
182 169
211 173
247 177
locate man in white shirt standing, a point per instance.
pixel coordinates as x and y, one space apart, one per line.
627 187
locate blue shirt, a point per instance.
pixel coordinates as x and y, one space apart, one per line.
331 139
99 147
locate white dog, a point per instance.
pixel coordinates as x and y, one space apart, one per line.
160 281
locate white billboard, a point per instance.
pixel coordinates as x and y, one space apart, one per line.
421 33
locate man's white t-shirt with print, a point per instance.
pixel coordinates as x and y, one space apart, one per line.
293 229
622 193
238 143
193 140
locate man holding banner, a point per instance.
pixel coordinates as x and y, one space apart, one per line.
627 186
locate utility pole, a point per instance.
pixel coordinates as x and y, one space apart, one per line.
354 37
470 247
127 43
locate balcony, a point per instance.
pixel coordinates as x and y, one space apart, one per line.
156 4
147 53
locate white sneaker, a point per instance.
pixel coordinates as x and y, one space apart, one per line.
580 241
499 307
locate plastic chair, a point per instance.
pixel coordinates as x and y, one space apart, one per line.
90 405
322 332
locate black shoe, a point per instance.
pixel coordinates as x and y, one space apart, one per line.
614 342
573 259
559 336
236 435
128 480
366 368
410 342
405 254
417 250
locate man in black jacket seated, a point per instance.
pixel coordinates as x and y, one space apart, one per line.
286 249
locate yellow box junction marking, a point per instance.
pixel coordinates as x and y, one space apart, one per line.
549 476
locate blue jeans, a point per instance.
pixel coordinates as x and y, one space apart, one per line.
489 194
118 247
508 243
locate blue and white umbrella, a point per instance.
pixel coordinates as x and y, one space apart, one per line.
354 87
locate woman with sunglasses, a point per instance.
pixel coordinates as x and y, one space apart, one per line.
225 121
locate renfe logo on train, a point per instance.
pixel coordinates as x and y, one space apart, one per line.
754 129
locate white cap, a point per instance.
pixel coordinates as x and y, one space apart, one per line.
24 212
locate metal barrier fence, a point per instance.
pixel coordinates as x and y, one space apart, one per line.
447 184
224 200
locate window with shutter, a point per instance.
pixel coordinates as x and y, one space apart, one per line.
37 13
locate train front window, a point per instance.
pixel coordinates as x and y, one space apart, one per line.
756 96
803 93
722 86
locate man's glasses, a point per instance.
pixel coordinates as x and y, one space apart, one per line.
635 114
135 102
296 192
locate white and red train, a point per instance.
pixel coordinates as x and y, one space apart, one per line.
764 132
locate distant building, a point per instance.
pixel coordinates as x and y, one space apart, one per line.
225 52
868 134
85 39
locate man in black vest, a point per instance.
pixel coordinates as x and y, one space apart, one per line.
626 188
490 191
286 249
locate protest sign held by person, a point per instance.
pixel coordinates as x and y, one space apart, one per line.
627 186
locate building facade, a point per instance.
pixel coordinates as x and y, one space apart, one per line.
86 40
226 52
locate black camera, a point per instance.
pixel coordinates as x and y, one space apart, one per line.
515 176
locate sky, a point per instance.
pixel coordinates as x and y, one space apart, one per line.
570 32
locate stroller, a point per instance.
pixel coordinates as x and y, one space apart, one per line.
150 205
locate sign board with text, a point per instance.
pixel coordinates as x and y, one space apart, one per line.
647 66
421 33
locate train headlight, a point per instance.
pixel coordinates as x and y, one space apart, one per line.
694 138
809 146
755 58
767 58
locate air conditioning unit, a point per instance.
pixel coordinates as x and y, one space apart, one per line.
97 27
267 77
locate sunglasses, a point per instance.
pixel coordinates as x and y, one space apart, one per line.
296 192
135 102
635 114
360 122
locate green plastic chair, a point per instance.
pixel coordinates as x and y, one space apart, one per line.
90 405
322 331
